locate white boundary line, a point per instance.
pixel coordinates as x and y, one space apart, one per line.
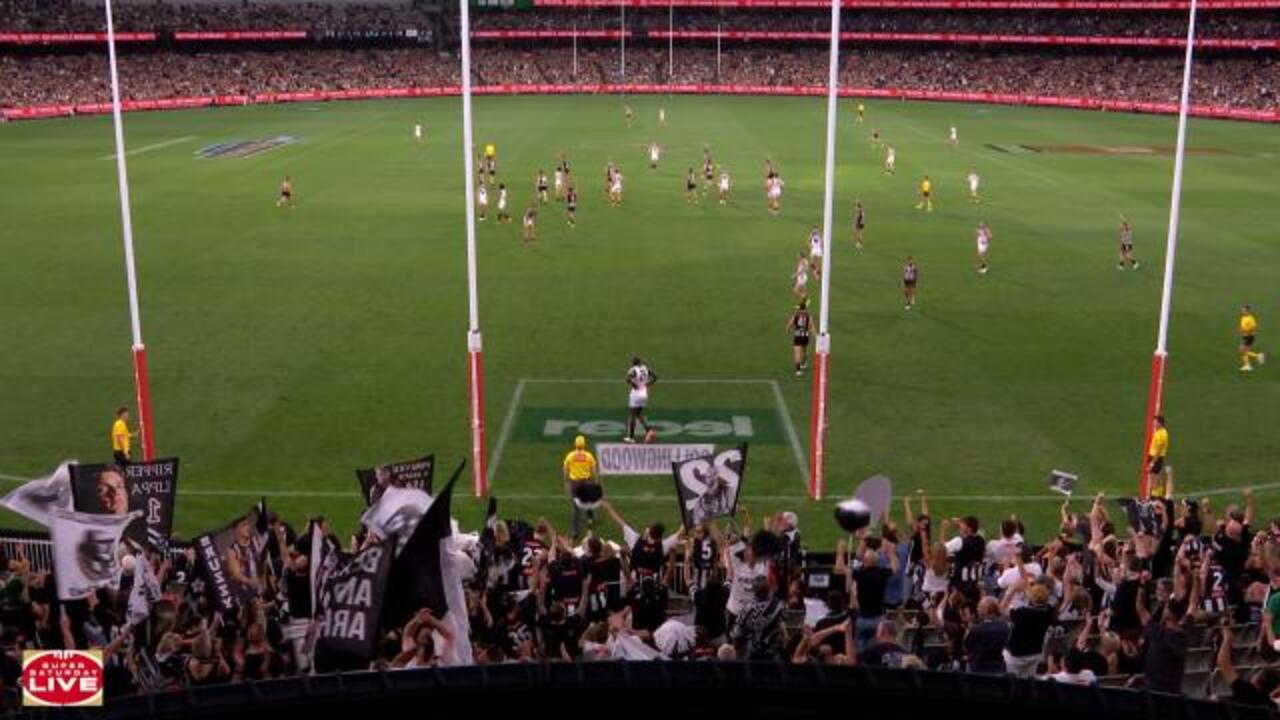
505 435
149 148
654 497
790 429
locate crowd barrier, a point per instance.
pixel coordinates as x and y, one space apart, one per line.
664 690
1207 111
925 4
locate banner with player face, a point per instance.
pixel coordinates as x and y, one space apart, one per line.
230 563
707 487
148 488
415 474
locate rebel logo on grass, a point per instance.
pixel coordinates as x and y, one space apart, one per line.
61 678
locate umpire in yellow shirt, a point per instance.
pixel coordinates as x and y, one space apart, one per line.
579 467
1156 454
121 442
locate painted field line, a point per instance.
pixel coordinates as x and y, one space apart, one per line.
664 381
354 494
149 148
790 429
505 434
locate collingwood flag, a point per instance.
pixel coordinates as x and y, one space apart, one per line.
85 548
417 578
417 474
148 488
231 562
145 591
707 487
350 606
39 499
396 512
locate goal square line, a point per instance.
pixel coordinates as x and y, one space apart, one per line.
780 405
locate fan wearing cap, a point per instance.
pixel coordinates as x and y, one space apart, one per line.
579 470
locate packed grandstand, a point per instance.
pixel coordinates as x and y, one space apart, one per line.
1177 595
48 56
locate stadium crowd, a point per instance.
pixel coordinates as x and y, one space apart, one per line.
143 16
1242 81
1148 24
1171 595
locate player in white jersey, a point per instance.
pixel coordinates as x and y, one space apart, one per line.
503 217
983 237
800 278
953 139
558 179
724 186
973 180
482 200
655 151
417 133
890 160
815 251
774 192
529 230
615 188
662 117
639 378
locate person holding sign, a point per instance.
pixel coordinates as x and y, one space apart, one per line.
579 467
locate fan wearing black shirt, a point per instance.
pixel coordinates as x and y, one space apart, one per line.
985 642
606 580
558 633
709 605
968 551
1165 642
884 650
868 584
1029 625
567 581
701 554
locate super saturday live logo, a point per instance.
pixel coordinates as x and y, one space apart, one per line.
61 678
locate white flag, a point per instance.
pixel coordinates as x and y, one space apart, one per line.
38 499
397 512
146 590
85 550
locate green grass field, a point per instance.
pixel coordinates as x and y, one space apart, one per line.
288 347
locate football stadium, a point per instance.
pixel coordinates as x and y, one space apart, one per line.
768 353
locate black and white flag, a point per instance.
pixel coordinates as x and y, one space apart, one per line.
85 548
39 499
145 591
1063 482
230 562
416 474
350 606
417 579
149 488
707 487
396 513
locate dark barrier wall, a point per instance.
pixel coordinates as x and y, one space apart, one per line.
661 691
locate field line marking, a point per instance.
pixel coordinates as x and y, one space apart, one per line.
992 157
505 433
665 381
149 148
647 497
790 429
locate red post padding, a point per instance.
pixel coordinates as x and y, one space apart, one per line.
1155 405
478 464
143 390
818 426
